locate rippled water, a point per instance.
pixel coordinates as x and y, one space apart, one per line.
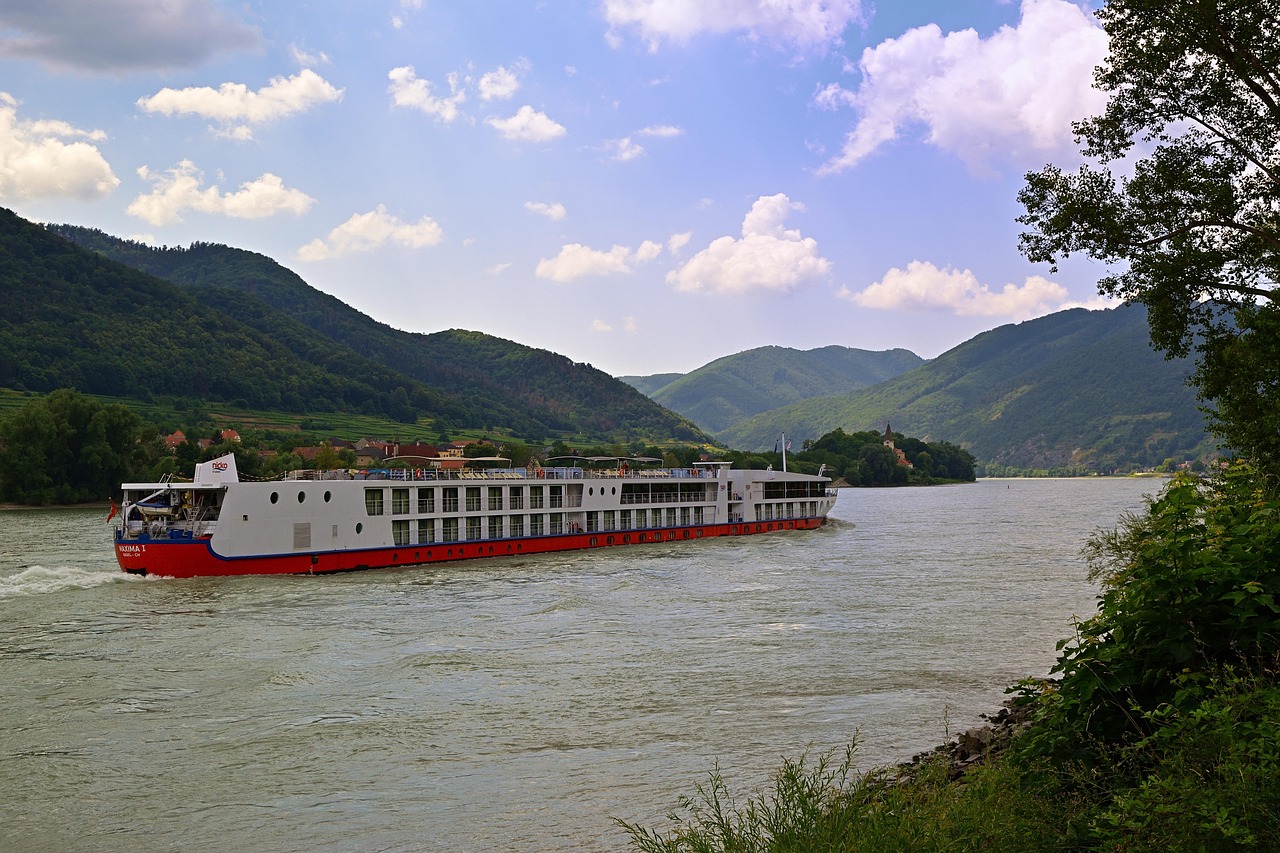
516 703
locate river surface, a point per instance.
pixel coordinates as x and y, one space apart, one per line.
519 703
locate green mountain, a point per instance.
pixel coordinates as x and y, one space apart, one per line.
648 384
74 319
220 324
718 395
1077 388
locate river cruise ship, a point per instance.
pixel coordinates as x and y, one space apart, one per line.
344 520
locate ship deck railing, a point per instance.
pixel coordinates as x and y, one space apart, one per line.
429 474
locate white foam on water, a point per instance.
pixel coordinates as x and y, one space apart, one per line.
39 580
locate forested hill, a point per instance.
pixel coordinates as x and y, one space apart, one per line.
73 319
1077 389
481 381
719 394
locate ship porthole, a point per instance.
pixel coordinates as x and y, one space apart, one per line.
275 496
359 528
302 496
591 491
327 495
613 491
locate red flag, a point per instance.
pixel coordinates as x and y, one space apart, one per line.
114 509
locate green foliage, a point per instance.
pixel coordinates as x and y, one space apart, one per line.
67 448
795 814
1210 776
1189 223
862 459
1190 586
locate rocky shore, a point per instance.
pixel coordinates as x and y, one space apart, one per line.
973 747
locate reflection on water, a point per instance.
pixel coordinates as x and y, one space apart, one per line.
512 703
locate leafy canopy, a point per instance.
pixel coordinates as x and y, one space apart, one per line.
1183 196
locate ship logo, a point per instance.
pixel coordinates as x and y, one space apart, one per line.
219 466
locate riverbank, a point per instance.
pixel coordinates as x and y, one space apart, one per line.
1158 733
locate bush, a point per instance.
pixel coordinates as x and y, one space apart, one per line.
1188 587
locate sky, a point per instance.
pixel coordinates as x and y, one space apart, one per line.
641 185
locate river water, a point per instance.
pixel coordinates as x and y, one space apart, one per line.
519 703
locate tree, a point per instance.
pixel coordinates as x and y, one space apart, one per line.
1191 225
66 447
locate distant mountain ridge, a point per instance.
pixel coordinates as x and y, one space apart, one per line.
731 389
1076 388
105 315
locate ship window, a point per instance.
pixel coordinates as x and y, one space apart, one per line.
275 496
327 496
613 491
302 496
373 501
399 501
400 532
359 528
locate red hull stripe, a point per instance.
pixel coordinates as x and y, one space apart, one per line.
190 558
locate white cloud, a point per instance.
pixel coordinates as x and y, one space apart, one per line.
180 189
498 269
629 326
676 242
407 90
660 130
49 159
119 36
623 149
527 125
768 257
648 251
364 232
805 24
924 287
554 211
234 105
1011 96
576 260
499 83
306 60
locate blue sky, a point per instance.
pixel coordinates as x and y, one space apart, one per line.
644 185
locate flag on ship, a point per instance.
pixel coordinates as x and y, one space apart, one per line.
114 510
